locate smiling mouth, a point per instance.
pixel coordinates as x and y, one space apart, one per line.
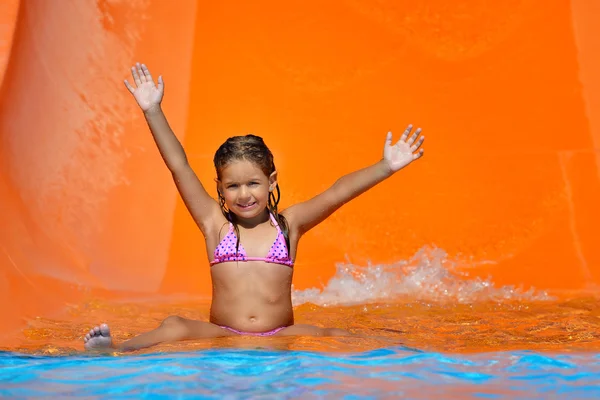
244 206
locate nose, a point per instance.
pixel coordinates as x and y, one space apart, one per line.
244 193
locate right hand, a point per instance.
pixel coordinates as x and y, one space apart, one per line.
146 93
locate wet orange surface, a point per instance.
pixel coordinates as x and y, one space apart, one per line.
568 325
507 93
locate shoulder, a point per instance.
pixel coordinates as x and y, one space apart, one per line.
218 227
290 214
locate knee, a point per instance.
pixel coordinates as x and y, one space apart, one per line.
172 321
336 332
174 328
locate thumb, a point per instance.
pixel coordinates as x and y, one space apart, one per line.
388 139
161 83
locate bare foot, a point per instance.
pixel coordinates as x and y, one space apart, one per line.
98 338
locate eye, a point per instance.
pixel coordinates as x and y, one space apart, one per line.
232 186
253 183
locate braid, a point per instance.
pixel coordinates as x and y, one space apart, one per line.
281 221
230 217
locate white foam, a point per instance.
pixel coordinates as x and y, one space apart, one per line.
429 275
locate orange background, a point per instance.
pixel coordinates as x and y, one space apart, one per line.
508 95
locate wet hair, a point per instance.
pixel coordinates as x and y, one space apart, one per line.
249 148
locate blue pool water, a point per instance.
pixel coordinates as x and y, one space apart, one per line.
244 374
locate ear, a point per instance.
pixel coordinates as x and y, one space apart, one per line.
272 181
219 185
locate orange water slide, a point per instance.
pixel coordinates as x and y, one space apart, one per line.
508 95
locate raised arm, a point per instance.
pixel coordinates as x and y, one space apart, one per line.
304 216
203 208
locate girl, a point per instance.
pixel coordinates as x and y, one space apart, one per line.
251 243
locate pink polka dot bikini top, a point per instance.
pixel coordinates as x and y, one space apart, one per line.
225 251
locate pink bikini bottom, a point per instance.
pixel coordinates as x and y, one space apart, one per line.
267 333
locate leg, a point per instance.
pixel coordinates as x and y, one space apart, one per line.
172 329
310 330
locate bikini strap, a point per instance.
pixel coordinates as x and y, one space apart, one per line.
230 230
273 219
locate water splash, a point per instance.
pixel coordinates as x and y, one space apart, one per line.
429 275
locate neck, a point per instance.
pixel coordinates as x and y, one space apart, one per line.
249 223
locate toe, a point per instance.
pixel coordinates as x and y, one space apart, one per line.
104 330
96 330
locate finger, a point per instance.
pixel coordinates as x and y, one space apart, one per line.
140 72
414 136
136 77
129 87
418 155
406 132
388 139
416 146
147 74
161 84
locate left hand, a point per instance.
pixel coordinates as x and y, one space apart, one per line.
404 151
147 94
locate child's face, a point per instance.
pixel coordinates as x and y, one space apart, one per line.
245 188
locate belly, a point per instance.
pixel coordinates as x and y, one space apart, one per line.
251 315
252 298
